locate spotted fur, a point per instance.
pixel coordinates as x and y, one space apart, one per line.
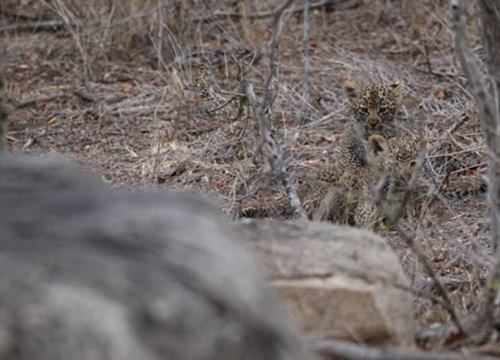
374 107
345 194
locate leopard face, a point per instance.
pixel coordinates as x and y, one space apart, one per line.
374 107
408 155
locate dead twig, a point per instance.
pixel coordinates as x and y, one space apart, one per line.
273 44
394 216
3 118
336 4
446 303
273 153
343 350
225 103
427 49
85 97
458 124
56 25
51 25
307 59
75 26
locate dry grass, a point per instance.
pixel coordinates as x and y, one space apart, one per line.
145 94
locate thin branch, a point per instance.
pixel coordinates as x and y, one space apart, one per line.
337 5
394 216
343 350
307 58
3 118
422 258
273 44
74 26
56 25
427 49
51 25
274 154
458 124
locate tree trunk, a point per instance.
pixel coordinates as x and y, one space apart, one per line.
3 118
490 20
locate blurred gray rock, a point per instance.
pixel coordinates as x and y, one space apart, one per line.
339 282
90 273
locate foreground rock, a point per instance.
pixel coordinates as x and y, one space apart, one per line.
339 282
91 274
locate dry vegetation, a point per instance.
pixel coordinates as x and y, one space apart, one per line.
149 93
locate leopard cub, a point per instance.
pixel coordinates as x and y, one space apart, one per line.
374 107
378 190
350 193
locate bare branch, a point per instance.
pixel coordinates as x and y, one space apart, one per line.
274 155
337 5
3 118
343 350
51 25
394 216
307 58
278 13
57 25
446 303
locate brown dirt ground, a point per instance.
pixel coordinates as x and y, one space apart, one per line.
159 106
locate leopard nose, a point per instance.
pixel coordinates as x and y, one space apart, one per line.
373 121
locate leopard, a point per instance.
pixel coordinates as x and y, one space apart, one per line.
354 203
386 185
403 158
374 107
465 187
405 194
312 186
319 191
408 155
333 192
350 198
342 171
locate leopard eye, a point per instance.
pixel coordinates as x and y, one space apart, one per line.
413 163
383 110
363 110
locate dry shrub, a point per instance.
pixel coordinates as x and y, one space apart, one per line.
117 29
171 31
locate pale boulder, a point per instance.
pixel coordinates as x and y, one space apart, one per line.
338 282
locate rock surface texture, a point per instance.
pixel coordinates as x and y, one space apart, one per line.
90 273
338 282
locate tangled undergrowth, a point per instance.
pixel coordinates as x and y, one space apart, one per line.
150 95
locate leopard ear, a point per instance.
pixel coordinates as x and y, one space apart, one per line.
396 87
377 146
421 145
352 91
